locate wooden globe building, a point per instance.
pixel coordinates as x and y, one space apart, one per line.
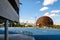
44 21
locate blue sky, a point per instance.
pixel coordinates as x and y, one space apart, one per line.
31 10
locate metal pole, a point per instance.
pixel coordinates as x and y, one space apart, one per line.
6 29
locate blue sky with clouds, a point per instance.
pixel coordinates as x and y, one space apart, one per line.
31 10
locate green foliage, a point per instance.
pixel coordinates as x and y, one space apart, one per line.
56 26
51 26
21 25
26 25
30 25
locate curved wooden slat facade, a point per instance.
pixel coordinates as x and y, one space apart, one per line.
44 21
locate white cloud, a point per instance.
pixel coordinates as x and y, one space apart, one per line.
51 14
46 14
31 21
48 2
27 21
21 20
44 8
55 11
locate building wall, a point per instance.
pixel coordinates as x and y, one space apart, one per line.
17 2
7 11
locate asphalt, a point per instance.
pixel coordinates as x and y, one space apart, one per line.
17 37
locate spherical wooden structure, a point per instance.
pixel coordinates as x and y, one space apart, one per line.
44 21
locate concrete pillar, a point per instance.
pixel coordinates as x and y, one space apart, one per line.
13 24
6 29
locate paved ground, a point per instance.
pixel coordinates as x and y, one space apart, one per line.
17 37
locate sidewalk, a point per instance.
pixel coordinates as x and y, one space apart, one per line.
17 37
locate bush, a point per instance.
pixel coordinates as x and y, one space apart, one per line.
56 26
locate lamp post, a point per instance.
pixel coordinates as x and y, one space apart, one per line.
35 20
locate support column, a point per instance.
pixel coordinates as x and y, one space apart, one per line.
13 24
6 29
